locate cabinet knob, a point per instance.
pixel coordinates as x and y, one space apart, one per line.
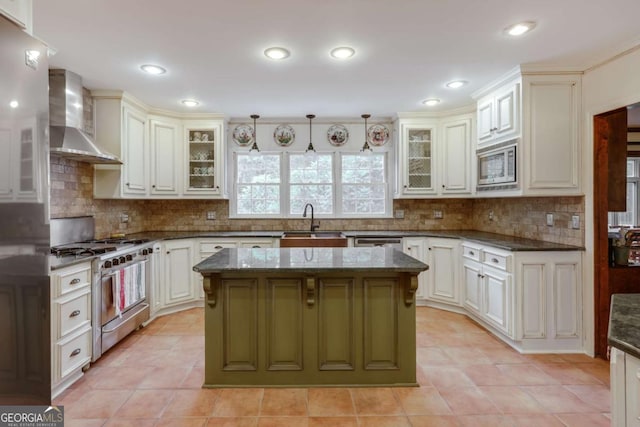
74 313
168 252
153 186
74 281
75 352
493 129
494 260
127 184
479 275
405 186
471 253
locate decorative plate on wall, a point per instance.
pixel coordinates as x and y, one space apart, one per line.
243 135
337 135
284 135
378 135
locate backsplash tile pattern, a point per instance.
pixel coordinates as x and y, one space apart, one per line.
72 189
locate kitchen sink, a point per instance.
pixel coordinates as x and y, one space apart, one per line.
305 239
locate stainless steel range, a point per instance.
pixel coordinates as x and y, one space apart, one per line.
121 270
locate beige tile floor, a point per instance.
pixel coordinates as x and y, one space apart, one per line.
467 378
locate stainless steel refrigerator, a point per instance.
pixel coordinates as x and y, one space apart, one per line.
25 357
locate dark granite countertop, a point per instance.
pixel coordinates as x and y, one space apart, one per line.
624 323
501 241
310 260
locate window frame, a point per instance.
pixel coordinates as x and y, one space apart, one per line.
285 185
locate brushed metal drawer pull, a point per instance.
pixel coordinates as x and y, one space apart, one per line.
75 352
255 247
75 313
74 281
218 247
495 260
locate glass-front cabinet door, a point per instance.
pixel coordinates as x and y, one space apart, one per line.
204 158
417 154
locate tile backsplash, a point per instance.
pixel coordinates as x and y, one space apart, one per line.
72 190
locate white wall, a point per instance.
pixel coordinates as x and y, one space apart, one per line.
611 85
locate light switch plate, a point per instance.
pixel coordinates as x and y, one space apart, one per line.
437 214
211 215
550 219
398 214
575 222
124 217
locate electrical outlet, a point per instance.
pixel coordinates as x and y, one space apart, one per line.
437 214
550 219
211 215
575 222
124 217
490 215
398 214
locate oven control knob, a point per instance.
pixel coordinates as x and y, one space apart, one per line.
115 261
145 252
122 260
129 257
107 264
150 250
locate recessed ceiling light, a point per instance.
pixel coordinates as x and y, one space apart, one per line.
456 84
190 103
153 69
13 104
277 53
431 102
343 52
520 28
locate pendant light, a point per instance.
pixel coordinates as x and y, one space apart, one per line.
310 149
365 148
254 147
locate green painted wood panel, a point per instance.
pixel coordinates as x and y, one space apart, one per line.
380 323
284 323
336 324
240 324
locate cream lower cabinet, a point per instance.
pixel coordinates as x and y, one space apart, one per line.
179 277
625 389
439 284
488 287
70 324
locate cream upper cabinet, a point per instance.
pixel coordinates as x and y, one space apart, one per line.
204 151
19 11
499 115
456 166
551 150
134 150
20 179
434 156
540 113
165 155
416 158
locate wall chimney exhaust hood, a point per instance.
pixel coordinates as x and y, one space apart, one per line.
66 136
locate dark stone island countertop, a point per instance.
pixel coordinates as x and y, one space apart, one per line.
624 323
310 260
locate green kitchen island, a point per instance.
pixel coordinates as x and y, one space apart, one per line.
310 317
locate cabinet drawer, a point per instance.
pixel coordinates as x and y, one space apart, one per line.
73 314
497 260
471 252
72 279
74 353
212 247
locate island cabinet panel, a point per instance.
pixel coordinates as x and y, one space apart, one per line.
240 325
284 319
380 324
336 305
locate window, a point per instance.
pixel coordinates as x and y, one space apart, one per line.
311 181
339 185
630 217
257 184
363 184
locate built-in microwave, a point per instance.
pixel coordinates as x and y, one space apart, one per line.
497 168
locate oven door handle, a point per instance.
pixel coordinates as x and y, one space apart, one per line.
140 308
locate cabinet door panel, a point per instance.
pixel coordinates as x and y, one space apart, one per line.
485 121
380 324
472 286
506 121
633 391
443 270
285 332
6 164
165 158
457 164
240 336
134 149
336 323
565 300
497 302
533 301
178 267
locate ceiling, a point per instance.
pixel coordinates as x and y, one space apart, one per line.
406 50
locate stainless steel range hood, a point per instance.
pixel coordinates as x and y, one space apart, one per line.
66 117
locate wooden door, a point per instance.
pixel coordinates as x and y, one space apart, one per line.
609 191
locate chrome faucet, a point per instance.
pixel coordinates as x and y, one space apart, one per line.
314 226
